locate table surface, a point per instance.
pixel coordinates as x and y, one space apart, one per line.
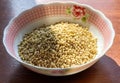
106 70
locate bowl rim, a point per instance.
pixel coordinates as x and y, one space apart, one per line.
61 2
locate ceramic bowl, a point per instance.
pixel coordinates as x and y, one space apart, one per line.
50 13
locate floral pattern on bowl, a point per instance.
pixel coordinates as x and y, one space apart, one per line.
78 12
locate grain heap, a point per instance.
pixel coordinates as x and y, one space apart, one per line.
61 45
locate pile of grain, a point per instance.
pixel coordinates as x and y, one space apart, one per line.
61 45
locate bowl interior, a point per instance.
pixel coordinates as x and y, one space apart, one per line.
48 14
52 20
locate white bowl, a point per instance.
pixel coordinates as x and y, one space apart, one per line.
51 13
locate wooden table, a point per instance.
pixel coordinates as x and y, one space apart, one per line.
106 70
